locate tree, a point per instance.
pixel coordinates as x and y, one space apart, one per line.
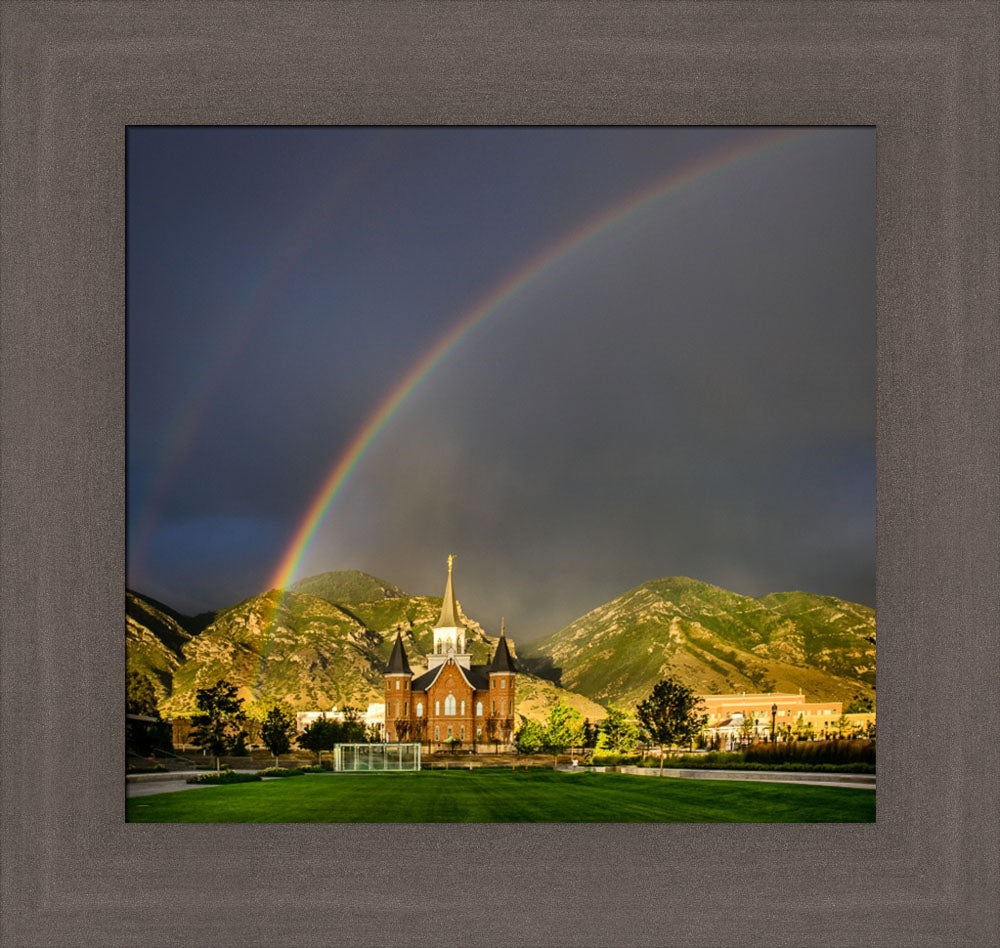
353 729
530 737
591 732
842 724
277 730
563 729
669 715
747 729
860 704
140 697
322 734
618 732
492 725
221 719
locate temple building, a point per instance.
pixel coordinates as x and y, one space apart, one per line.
454 703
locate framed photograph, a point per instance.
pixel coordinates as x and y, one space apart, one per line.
629 370
87 89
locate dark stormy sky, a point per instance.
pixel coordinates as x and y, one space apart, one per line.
690 392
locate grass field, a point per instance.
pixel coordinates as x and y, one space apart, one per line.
482 796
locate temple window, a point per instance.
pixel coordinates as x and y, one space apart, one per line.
479 708
420 709
449 704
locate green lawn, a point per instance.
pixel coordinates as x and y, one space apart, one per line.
485 796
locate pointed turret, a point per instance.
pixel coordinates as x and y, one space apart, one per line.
502 660
449 608
398 665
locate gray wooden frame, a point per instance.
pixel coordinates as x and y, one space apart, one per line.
75 74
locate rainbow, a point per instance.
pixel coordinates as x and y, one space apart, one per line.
180 438
528 273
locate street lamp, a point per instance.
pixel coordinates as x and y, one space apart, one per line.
774 716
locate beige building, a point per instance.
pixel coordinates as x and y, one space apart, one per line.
728 716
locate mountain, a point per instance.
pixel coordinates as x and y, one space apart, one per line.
155 637
347 585
315 653
715 641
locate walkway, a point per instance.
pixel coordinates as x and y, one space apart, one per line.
848 780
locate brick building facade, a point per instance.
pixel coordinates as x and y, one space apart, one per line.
453 703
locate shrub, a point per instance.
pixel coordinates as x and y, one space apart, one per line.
227 776
282 772
612 759
812 752
736 760
147 769
326 767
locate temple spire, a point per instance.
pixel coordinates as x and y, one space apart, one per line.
449 608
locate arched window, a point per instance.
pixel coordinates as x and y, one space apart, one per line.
437 733
479 709
449 730
449 704
420 709
437 708
503 682
463 708
462 734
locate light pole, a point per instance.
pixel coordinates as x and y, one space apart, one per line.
774 717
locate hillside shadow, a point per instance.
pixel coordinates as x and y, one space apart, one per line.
541 666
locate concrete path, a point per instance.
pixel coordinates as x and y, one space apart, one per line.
846 780
142 785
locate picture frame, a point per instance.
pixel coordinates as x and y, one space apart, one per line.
75 75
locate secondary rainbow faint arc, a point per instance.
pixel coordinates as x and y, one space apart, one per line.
500 294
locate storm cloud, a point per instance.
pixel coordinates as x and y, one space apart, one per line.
689 392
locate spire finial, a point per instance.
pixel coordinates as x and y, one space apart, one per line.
451 561
501 626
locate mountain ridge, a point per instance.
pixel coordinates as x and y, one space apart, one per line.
315 652
714 640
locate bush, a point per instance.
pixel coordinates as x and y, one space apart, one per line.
147 769
282 772
227 776
612 759
794 760
812 752
326 767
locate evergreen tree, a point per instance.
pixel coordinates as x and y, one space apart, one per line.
140 697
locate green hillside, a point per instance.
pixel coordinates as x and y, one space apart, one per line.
315 654
154 640
347 585
717 642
